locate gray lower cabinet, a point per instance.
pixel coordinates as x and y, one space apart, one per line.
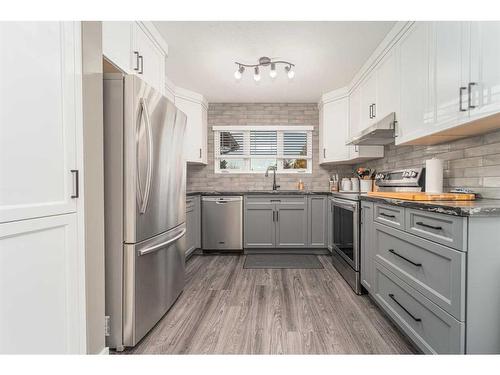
435 274
276 222
432 329
193 224
259 223
291 223
367 245
434 270
317 206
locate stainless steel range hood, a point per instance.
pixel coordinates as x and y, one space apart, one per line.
379 134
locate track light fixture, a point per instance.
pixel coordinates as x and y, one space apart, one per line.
264 61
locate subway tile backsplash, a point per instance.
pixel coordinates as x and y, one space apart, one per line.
472 162
203 178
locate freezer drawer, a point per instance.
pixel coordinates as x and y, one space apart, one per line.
222 223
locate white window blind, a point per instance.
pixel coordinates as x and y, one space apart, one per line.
253 149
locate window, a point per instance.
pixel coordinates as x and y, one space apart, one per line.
252 149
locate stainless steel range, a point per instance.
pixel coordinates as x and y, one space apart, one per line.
346 237
346 214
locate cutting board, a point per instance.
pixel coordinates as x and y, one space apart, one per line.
422 196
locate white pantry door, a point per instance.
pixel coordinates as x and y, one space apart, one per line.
40 295
38 90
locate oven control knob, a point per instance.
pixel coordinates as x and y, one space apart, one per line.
414 173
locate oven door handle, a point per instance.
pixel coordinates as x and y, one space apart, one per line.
346 205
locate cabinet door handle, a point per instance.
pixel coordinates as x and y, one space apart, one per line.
460 99
402 257
76 183
356 148
405 310
469 92
200 153
324 153
274 218
141 59
277 216
387 215
370 111
428 226
374 110
136 53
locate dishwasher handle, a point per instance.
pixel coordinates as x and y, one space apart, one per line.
221 200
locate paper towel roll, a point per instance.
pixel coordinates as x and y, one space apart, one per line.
434 176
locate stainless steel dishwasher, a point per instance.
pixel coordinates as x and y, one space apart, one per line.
222 223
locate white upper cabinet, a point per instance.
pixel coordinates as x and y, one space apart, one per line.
415 115
136 49
387 96
117 43
334 133
195 141
148 58
39 95
376 96
450 76
368 90
355 112
484 78
448 60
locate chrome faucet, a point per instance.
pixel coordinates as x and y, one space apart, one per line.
272 168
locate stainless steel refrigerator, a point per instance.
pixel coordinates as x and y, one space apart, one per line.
145 183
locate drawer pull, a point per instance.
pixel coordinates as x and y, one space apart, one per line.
428 226
387 215
402 257
406 311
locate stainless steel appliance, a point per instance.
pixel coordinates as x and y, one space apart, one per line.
381 132
144 206
222 223
346 237
410 179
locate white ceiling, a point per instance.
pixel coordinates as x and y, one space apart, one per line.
326 54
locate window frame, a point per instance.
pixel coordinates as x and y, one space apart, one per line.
247 157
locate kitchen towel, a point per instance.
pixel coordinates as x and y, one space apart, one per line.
434 176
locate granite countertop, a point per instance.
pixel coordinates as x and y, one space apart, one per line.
258 192
479 207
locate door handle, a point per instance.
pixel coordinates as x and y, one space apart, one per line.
462 89
469 91
136 53
387 215
405 310
402 257
163 244
76 183
428 226
149 172
141 59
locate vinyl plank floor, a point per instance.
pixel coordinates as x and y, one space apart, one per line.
226 309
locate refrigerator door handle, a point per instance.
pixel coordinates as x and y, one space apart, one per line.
156 247
144 199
